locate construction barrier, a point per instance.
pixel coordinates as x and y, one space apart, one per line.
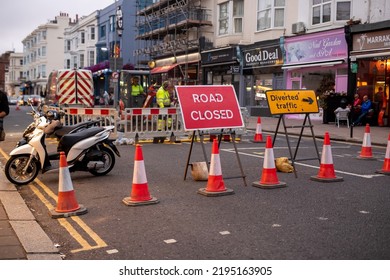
141 123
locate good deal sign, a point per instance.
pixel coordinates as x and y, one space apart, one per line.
209 107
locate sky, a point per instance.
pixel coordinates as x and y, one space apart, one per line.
18 18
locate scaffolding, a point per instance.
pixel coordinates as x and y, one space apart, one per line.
172 29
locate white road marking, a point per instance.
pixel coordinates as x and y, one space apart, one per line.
369 176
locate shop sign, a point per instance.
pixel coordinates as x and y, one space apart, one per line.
209 107
219 56
314 48
263 57
371 40
292 101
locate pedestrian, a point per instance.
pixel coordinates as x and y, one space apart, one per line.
163 99
356 106
342 111
4 111
106 98
137 93
365 108
380 98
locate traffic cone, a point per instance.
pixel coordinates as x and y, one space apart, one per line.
66 204
258 135
366 152
386 164
326 172
215 184
269 178
139 192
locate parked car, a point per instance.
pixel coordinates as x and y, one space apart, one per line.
12 100
34 99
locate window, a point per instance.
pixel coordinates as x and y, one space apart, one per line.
43 52
43 71
81 64
82 37
231 14
92 30
44 34
223 18
270 14
68 63
324 11
112 23
68 45
91 58
238 14
343 10
103 31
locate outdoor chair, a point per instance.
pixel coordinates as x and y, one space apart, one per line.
342 116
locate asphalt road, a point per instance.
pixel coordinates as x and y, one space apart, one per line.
305 220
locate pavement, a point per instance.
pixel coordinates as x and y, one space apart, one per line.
22 238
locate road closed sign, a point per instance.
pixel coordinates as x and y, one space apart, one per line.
292 101
209 107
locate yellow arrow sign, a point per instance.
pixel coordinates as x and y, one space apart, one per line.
292 101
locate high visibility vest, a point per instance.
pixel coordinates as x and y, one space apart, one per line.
163 98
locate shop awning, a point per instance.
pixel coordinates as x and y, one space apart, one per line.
359 55
314 64
162 69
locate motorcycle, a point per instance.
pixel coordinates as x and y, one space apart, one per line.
87 148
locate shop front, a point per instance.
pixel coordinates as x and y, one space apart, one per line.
318 62
370 63
221 67
262 71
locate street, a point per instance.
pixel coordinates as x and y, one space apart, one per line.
306 220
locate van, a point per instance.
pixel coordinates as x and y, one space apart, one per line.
70 87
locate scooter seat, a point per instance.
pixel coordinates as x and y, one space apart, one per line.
68 128
68 140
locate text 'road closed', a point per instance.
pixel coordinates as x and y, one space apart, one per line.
209 107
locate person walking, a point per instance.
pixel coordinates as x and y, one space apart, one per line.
106 99
137 93
4 111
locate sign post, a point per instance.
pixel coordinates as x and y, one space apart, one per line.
283 102
210 107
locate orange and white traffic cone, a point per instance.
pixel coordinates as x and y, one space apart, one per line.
66 204
326 172
269 178
366 151
258 135
139 192
386 164
215 184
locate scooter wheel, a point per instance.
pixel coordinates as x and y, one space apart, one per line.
108 159
17 171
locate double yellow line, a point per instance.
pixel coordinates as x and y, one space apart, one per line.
84 244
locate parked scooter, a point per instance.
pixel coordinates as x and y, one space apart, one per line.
86 149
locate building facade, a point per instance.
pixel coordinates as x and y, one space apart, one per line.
43 51
14 78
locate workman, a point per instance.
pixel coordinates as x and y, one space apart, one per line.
137 93
163 99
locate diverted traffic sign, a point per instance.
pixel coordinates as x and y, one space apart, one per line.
292 101
209 107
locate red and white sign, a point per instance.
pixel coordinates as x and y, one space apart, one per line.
209 107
